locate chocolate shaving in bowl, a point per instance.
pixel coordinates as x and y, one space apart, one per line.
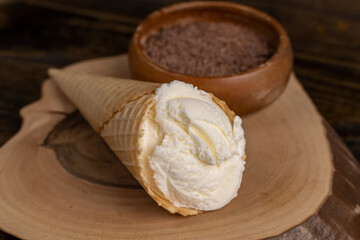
207 48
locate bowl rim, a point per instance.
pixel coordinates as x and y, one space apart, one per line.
284 41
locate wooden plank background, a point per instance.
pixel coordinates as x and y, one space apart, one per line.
37 34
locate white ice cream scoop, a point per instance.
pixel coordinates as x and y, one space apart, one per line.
197 156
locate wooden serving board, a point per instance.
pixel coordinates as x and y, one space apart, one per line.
58 179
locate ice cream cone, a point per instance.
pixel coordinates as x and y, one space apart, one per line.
115 108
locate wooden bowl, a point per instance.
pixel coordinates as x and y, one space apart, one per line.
244 92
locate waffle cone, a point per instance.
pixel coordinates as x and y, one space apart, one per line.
115 108
98 98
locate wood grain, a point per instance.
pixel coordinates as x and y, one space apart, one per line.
82 152
339 217
288 177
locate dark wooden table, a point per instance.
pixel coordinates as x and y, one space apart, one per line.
38 34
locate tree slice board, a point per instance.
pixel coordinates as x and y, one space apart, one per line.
58 179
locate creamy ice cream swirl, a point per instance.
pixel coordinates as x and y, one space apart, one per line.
195 151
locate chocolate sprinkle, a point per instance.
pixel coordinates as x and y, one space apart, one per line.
207 48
